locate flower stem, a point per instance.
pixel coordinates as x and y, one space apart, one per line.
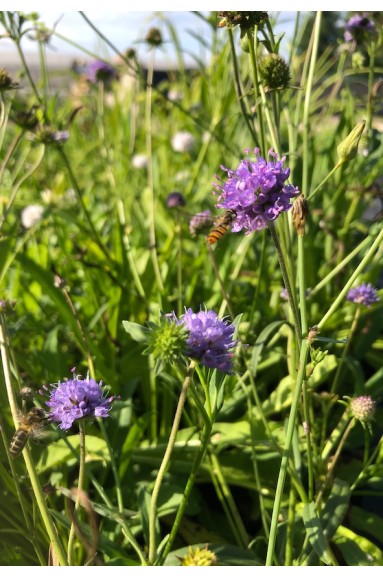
253 44
286 453
186 495
36 487
239 89
152 230
286 280
368 256
165 462
80 486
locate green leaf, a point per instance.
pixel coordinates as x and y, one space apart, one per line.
315 533
336 507
58 452
261 342
136 331
357 550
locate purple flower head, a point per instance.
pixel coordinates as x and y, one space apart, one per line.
256 191
200 222
175 199
75 399
210 339
100 71
364 294
358 28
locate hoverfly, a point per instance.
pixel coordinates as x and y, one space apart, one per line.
221 226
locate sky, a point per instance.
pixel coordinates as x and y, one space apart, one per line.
125 29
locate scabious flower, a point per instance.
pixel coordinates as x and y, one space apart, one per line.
77 398
363 408
256 192
358 28
31 215
183 142
175 199
200 222
364 294
210 339
99 71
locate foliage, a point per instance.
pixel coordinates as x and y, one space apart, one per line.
261 466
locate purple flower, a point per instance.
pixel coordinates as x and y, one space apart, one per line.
100 71
200 222
210 339
256 192
364 294
75 399
175 199
358 28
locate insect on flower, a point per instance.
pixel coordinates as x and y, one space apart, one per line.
221 226
30 425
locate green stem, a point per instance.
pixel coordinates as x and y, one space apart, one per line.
253 45
165 463
334 272
304 352
36 487
148 126
286 280
334 461
346 348
339 300
306 107
235 519
21 498
205 437
27 71
238 88
80 487
290 527
17 185
337 166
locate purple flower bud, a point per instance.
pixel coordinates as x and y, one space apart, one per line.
358 28
175 199
100 71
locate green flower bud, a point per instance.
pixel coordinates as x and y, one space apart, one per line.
274 71
348 148
357 60
6 82
154 37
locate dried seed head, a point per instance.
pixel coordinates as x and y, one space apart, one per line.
300 212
